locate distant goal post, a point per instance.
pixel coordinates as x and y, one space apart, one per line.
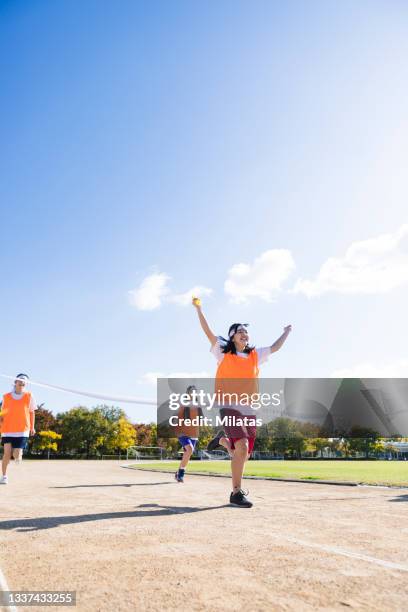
267 455
143 453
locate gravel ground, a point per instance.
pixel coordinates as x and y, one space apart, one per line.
132 540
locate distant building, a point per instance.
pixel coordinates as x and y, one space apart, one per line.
397 449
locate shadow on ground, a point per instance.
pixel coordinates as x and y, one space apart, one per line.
124 484
400 498
49 522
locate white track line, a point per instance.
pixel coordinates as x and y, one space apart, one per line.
4 587
348 553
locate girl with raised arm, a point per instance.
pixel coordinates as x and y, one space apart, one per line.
237 373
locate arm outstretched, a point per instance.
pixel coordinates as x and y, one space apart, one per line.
281 340
203 322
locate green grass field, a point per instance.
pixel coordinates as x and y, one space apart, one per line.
367 472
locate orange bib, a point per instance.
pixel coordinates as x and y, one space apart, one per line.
191 431
237 375
16 414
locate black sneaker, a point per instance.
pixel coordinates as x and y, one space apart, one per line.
240 499
215 442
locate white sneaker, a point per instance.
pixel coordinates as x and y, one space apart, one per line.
4 480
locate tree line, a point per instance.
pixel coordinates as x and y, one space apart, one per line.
88 432
106 430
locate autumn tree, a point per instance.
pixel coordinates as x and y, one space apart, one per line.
48 441
122 435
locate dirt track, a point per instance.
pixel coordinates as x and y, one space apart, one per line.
132 540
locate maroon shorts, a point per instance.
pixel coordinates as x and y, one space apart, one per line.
251 442
235 432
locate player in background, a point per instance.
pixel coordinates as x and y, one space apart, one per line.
16 422
187 434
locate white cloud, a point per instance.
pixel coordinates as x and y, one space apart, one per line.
154 290
151 291
262 279
184 299
398 369
151 377
376 265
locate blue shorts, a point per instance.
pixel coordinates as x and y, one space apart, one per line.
185 441
20 442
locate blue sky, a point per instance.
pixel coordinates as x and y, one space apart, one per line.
182 139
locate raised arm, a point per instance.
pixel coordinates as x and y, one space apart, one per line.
203 322
281 340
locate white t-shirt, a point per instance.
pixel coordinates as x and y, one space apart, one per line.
216 350
33 407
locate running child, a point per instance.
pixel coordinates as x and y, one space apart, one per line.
187 434
16 422
237 373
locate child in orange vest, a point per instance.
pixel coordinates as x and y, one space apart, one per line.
237 372
187 433
17 422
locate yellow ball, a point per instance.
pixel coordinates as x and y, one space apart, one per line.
196 301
